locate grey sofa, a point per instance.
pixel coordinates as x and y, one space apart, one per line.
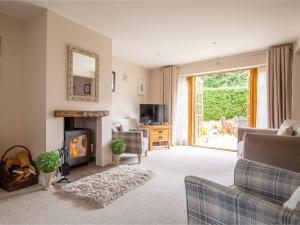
264 145
136 138
257 197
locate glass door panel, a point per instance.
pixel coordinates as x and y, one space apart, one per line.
198 112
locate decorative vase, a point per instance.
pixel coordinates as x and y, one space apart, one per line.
116 159
47 179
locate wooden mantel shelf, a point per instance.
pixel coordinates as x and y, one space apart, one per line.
68 113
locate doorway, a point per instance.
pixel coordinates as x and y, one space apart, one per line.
218 104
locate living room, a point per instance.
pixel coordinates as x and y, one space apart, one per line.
134 97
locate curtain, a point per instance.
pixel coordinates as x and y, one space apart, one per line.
169 97
262 99
169 74
279 84
180 127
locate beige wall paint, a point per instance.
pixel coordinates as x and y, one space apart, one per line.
214 65
125 101
225 63
156 87
35 84
62 32
33 81
12 34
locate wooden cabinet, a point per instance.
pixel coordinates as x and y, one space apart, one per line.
159 135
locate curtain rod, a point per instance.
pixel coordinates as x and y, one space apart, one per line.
166 66
291 45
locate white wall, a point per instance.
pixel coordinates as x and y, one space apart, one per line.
12 34
125 100
62 32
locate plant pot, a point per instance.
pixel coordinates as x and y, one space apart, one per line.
116 159
47 179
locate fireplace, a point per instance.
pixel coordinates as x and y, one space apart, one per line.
83 136
78 144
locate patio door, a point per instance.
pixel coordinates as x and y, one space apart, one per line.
218 104
196 109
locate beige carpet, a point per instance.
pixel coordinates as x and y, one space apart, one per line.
159 201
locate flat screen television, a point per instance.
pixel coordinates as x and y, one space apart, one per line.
153 114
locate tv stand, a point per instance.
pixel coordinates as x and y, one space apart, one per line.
159 135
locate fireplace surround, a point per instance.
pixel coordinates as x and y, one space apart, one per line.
82 135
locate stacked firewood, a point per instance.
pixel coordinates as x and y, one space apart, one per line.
19 167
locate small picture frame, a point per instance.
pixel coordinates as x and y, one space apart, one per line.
113 88
141 87
87 88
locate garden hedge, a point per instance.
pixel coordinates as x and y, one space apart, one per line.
228 102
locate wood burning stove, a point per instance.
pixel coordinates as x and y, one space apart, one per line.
77 142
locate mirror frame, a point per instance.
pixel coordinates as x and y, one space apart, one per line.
71 96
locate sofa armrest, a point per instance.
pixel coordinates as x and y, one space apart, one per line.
145 131
276 150
133 140
270 181
211 203
243 130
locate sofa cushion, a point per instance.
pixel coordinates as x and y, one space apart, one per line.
294 201
124 128
295 124
122 124
115 129
285 130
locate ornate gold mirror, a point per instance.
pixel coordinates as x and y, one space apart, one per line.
83 75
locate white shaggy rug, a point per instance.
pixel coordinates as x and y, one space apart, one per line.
101 189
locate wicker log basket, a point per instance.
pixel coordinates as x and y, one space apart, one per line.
7 181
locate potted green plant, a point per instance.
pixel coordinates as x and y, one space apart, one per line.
118 147
48 163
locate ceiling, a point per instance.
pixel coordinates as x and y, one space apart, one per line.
154 34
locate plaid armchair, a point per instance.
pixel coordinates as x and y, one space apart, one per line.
136 141
256 197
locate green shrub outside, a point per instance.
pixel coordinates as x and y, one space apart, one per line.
227 79
228 102
225 94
